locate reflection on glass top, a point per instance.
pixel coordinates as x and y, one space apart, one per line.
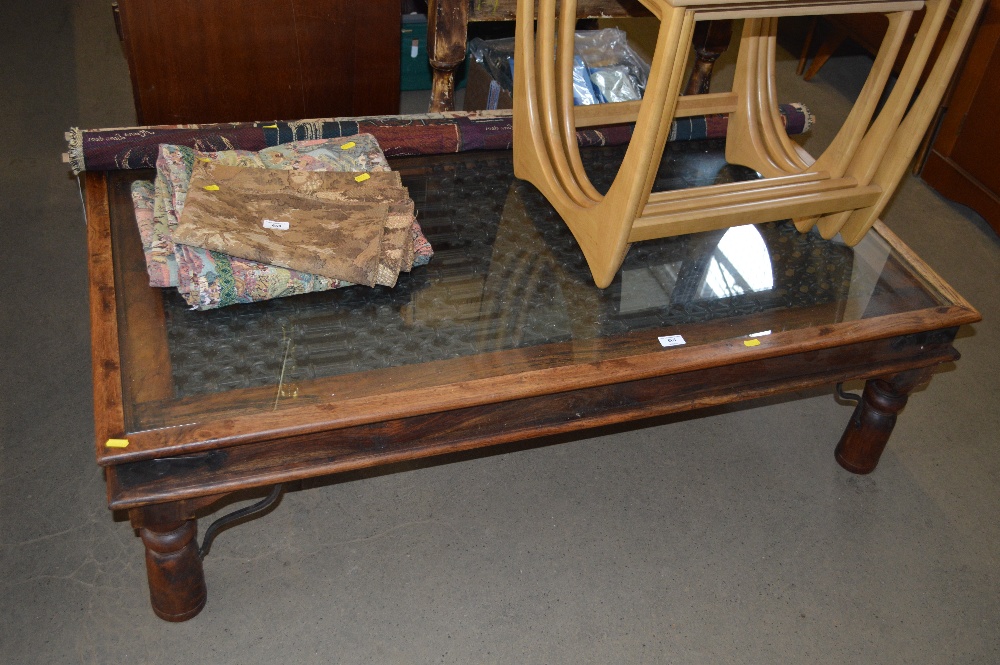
507 274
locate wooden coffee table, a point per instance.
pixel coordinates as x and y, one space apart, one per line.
503 337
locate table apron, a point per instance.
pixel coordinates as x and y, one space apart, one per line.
293 458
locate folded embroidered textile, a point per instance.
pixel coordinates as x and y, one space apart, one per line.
326 223
175 163
218 280
209 279
173 168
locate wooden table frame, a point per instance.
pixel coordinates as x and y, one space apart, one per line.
166 477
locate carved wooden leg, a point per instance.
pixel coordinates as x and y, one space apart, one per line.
447 26
825 52
711 39
176 579
867 433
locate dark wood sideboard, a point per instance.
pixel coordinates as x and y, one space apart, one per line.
195 61
962 161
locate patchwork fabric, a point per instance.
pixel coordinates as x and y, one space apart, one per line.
173 171
219 280
360 152
160 262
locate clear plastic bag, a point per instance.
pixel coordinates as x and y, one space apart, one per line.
583 88
625 72
497 57
606 68
614 84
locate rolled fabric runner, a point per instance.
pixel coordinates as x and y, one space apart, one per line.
399 135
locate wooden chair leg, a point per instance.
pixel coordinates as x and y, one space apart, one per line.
784 149
825 52
564 107
711 39
804 53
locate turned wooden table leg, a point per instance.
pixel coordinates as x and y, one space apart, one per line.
447 26
868 431
173 567
711 39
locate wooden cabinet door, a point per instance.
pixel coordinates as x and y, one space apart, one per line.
962 164
237 60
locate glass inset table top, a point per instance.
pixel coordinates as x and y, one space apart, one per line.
507 290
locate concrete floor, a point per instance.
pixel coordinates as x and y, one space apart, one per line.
731 537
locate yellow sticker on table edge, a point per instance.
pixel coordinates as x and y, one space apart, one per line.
116 443
751 342
269 127
211 188
362 177
348 145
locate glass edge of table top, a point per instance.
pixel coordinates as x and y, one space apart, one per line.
526 311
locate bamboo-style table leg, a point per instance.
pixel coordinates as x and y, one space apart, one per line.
868 431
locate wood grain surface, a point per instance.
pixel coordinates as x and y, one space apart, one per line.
412 437
247 60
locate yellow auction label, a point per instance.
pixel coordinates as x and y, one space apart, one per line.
751 342
362 177
116 443
348 145
211 188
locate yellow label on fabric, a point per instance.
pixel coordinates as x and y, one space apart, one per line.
269 127
348 145
211 188
116 443
204 159
362 177
751 342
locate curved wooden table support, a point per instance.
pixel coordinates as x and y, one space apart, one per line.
843 191
861 446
